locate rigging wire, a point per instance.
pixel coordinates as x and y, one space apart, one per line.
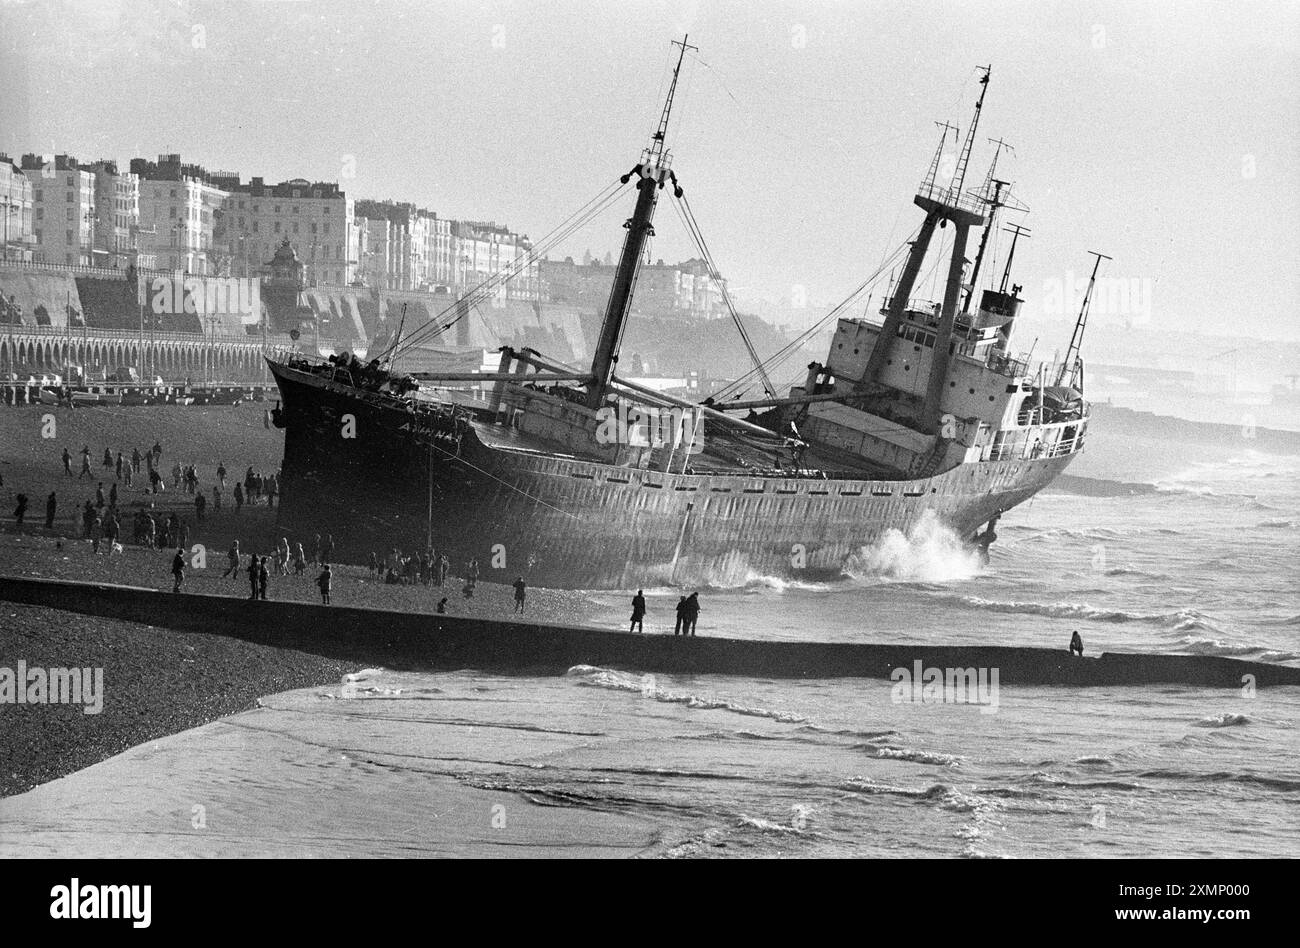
584 215
687 215
795 344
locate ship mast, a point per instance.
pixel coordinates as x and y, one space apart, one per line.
652 172
1076 338
941 206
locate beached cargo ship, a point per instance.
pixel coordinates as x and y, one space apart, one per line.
574 477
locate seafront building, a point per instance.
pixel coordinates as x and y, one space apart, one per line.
317 217
16 206
681 289
179 213
117 217
63 209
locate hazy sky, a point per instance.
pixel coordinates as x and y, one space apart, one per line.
1165 135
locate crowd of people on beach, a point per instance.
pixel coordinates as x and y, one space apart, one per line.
101 523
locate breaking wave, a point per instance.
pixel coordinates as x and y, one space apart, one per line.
1183 620
916 756
930 552
647 686
1224 720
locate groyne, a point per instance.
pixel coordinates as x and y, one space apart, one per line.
411 641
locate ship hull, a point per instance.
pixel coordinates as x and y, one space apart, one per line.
360 468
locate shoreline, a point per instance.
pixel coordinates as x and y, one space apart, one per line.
157 683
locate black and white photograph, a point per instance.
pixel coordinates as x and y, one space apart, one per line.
652 430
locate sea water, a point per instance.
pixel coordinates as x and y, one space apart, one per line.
1202 561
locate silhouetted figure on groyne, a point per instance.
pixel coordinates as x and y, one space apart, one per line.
520 591
638 611
681 616
323 581
1076 644
253 574
263 578
691 612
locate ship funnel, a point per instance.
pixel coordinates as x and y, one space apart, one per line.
1000 310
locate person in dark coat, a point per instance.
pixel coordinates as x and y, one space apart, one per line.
21 510
254 574
520 591
178 570
681 616
638 611
1076 644
263 578
692 613
323 581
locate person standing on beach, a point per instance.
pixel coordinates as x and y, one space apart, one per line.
1076 644
323 581
253 574
239 497
96 533
327 551
112 530
67 462
520 591
263 579
112 495
135 460
119 465
216 497
232 558
692 613
85 463
299 560
638 612
99 496
157 452
681 616
21 510
178 570
51 505
221 473
108 458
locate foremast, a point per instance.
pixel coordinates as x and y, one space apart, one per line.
652 172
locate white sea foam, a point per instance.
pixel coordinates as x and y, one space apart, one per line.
647 686
1226 719
930 552
917 756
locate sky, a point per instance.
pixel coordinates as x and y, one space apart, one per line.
1164 135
